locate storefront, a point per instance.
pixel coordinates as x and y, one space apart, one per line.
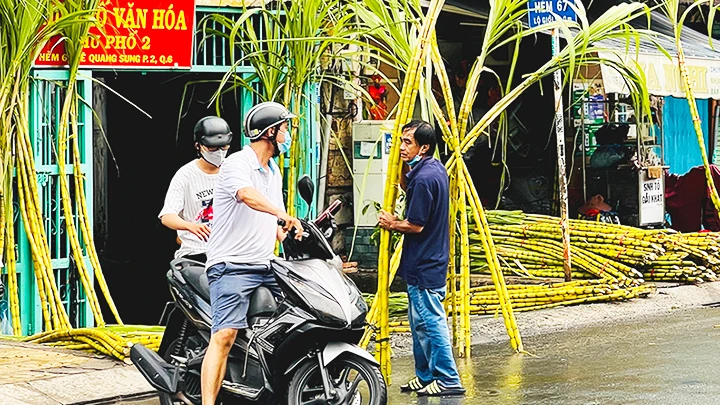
145 80
629 174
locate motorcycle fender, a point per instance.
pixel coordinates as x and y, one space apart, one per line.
332 351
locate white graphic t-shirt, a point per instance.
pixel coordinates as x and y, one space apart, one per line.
190 196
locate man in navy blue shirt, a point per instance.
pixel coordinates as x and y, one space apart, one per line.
424 262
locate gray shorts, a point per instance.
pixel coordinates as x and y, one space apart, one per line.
231 285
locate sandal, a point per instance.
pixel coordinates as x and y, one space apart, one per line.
413 385
434 389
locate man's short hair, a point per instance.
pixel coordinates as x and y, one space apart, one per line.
424 134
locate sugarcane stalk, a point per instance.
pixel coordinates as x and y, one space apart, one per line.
464 268
405 108
451 304
62 136
697 124
10 259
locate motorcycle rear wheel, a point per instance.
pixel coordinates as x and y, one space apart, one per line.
355 380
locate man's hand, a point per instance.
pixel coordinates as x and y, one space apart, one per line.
385 220
202 231
290 223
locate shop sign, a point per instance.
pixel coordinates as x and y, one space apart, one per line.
142 34
663 75
652 199
542 12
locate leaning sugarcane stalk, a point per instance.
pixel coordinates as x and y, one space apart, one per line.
697 126
406 104
66 200
86 232
35 231
10 259
373 314
464 272
672 8
451 305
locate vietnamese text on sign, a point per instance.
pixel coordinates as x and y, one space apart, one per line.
139 33
542 12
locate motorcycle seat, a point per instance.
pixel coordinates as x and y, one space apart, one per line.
262 301
194 274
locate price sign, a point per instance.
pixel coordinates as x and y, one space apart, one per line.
652 199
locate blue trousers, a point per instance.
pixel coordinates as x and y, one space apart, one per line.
432 348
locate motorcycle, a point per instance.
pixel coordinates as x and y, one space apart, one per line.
301 350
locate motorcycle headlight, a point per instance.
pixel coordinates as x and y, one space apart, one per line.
324 307
359 309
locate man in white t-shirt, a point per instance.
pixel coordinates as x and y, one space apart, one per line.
188 207
248 203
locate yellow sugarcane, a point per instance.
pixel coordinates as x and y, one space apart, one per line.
10 261
465 269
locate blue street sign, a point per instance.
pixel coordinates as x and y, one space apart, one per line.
545 11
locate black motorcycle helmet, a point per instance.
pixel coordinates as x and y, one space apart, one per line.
263 117
212 131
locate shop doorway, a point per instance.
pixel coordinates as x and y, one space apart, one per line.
145 148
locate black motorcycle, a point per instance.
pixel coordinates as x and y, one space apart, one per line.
302 350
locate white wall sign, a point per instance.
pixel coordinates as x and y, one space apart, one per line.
652 199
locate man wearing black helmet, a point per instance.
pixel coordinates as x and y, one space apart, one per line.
188 207
248 204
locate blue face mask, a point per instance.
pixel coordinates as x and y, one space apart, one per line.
412 162
285 146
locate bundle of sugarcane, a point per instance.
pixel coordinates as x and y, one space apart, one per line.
110 340
397 303
528 297
529 245
149 336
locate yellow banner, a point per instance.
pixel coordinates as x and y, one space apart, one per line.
663 75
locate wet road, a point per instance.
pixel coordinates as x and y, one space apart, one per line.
673 359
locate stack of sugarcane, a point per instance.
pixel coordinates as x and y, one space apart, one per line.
528 297
112 340
529 245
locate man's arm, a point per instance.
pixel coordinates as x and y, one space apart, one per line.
391 223
418 211
255 200
174 205
174 222
281 234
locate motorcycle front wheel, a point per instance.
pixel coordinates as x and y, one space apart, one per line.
355 381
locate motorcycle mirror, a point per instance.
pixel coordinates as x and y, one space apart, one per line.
306 188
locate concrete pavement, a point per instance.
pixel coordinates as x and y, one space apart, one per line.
32 374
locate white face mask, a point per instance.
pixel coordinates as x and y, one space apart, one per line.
215 158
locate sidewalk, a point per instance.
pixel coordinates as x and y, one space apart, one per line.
32 374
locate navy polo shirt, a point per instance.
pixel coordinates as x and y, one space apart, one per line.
424 258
